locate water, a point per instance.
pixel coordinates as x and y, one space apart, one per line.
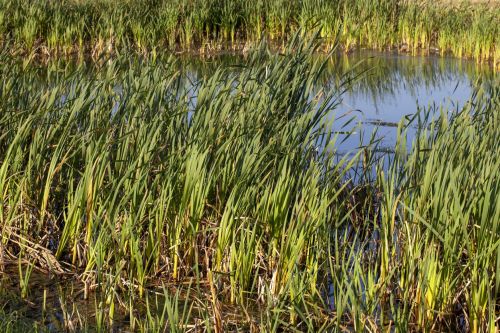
389 87
396 86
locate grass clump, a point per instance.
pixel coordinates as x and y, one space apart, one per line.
234 206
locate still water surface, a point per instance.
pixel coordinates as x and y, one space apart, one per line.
391 87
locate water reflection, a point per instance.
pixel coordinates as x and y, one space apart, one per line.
385 87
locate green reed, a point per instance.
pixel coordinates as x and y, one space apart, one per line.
104 26
238 202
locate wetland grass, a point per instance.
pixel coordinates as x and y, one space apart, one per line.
53 28
233 211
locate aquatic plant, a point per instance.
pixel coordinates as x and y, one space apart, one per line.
100 27
237 200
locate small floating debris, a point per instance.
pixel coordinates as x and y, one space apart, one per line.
379 122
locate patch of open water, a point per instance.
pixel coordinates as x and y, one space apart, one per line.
389 87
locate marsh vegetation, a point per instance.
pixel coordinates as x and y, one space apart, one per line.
233 209
52 28
259 194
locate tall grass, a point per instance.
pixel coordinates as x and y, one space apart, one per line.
103 26
126 179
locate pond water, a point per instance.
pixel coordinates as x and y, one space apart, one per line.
391 87
397 85
388 87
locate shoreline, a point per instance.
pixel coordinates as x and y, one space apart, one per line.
240 49
465 29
